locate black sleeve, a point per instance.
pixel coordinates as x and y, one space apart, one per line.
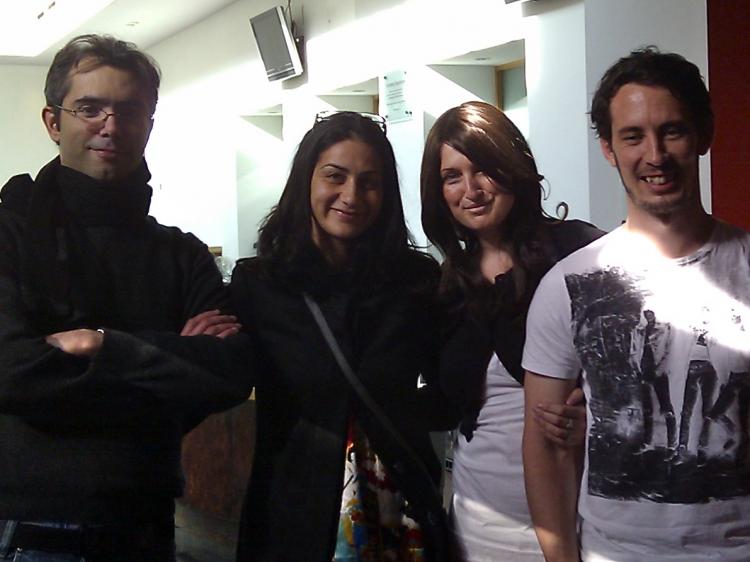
212 363
569 236
192 376
204 289
434 407
437 411
464 357
431 406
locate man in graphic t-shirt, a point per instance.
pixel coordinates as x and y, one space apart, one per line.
656 312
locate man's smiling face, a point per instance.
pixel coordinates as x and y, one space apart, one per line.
105 149
655 148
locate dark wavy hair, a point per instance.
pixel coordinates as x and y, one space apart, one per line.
486 136
103 50
285 237
650 67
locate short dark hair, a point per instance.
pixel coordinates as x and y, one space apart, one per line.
104 50
286 233
486 136
650 67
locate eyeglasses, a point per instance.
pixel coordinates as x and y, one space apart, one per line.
379 120
97 115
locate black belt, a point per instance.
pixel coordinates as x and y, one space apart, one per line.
93 541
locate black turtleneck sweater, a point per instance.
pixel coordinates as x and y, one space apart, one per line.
97 440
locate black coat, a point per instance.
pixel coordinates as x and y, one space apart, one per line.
96 441
304 402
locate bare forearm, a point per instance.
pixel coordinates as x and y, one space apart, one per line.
551 476
551 473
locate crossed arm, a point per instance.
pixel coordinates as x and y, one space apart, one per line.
551 471
81 378
87 343
198 390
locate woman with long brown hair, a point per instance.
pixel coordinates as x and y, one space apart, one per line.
482 209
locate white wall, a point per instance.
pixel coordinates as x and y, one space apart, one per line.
556 86
569 45
478 81
216 172
260 175
515 98
213 76
26 146
430 90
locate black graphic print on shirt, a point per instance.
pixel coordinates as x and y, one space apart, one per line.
666 427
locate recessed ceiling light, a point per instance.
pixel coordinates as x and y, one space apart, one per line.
132 23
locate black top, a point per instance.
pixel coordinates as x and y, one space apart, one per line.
388 333
385 326
472 338
96 441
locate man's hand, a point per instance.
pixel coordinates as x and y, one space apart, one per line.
211 323
563 424
81 343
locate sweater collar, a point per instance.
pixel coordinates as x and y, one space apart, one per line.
62 204
77 197
91 202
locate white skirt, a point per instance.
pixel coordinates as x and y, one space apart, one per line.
488 536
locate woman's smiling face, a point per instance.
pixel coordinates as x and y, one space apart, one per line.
475 200
346 195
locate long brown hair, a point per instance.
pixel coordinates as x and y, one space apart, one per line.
484 134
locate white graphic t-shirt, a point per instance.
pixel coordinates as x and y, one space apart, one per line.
664 347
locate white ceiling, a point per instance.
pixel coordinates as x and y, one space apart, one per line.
494 56
156 20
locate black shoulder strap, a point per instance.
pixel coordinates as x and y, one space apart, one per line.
359 388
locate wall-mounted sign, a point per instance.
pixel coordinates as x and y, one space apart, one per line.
396 107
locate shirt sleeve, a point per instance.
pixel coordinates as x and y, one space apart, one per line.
205 289
549 348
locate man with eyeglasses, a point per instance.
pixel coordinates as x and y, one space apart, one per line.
91 417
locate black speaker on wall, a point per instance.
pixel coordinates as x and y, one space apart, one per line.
277 46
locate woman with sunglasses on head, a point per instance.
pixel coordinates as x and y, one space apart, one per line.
482 208
337 318
333 473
